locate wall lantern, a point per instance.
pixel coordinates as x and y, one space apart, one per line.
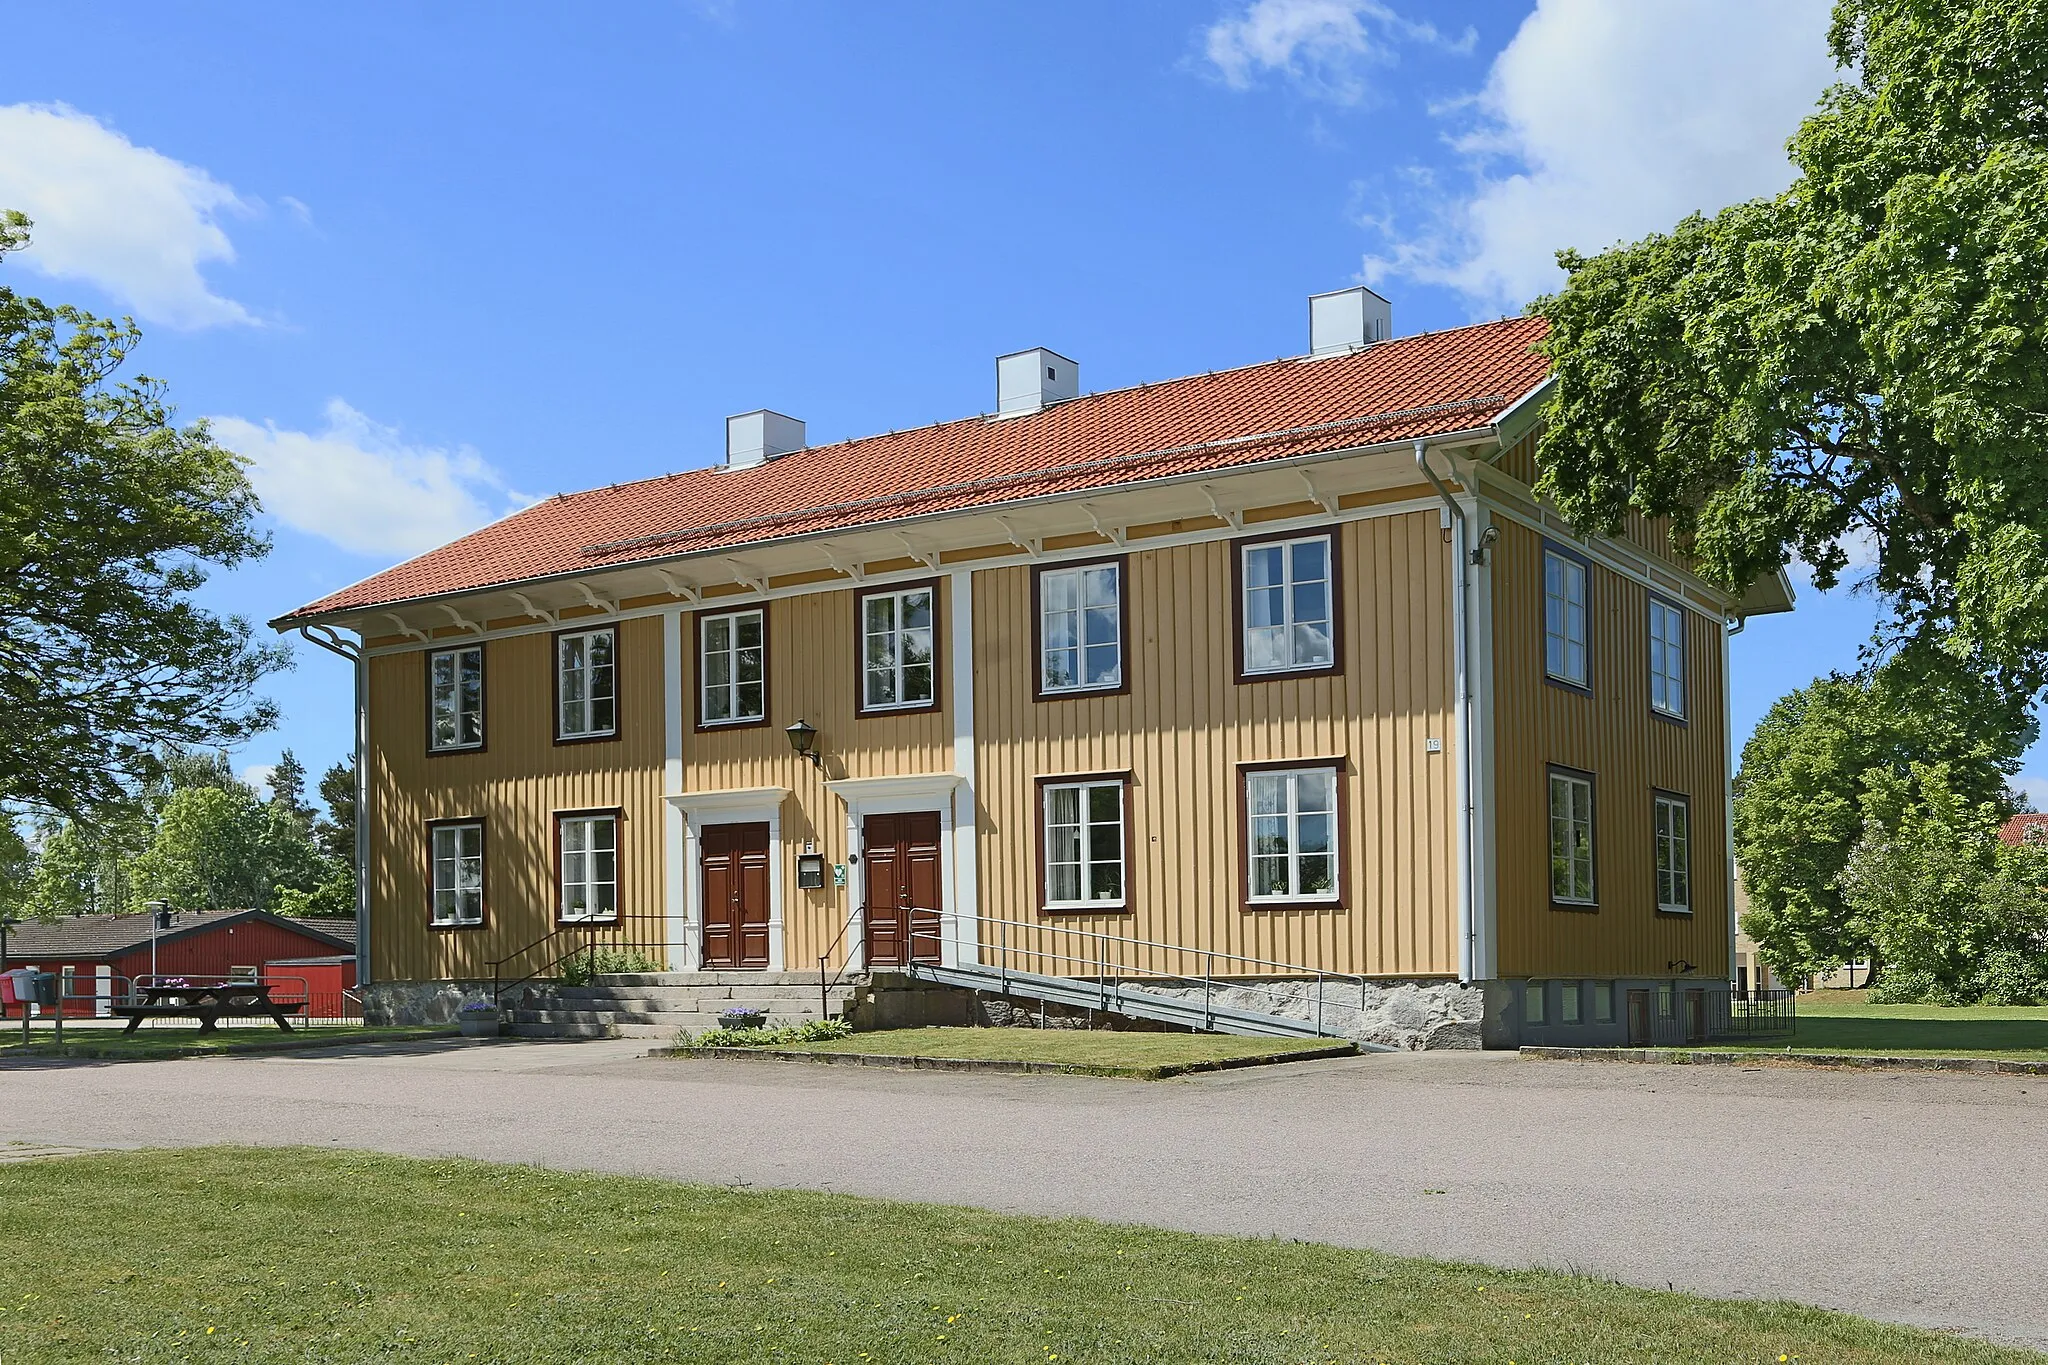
803 737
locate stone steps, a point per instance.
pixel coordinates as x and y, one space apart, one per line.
663 1004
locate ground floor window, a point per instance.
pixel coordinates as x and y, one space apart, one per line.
1291 829
1568 1003
587 852
1603 1002
1084 843
1533 1002
456 849
1665 997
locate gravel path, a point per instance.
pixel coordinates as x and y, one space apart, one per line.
1918 1198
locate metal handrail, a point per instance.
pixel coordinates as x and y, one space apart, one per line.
825 986
500 986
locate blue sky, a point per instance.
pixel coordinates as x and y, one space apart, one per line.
422 264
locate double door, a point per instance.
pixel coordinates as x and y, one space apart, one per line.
902 882
734 862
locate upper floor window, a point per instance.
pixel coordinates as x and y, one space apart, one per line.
455 699
1571 838
1667 658
1673 824
1564 618
898 648
586 684
587 852
1291 832
457 852
1287 596
1084 844
1080 628
732 670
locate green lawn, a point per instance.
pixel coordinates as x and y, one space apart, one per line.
1842 1021
147 1044
302 1255
1086 1051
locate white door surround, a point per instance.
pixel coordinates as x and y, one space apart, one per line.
892 795
745 805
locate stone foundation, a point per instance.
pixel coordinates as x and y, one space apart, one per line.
1406 1015
412 1003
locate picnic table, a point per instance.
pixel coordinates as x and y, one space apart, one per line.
206 1003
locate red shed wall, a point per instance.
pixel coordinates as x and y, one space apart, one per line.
216 951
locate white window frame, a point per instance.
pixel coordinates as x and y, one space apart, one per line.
589 822
1578 820
1673 852
1667 659
733 681
453 696
1566 607
445 875
1086 825
1287 625
1293 813
896 667
591 673
1078 617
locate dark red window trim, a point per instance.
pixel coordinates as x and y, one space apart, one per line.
618 917
1122 777
483 880
618 685
696 670
1335 668
1342 766
860 644
1123 626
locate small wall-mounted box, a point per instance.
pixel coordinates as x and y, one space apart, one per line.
810 871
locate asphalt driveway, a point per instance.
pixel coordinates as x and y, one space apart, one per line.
1920 1198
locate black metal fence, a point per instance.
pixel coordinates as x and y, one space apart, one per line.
1683 1014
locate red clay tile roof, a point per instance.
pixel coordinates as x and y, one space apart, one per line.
2024 828
1425 385
84 937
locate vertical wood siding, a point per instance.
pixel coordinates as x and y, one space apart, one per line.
1613 735
811 675
514 787
1183 727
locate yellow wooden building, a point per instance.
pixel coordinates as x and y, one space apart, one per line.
1280 673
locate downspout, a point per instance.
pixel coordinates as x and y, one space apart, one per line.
1728 633
1467 814
360 663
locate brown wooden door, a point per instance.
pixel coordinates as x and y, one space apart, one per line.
901 856
734 859
1639 1018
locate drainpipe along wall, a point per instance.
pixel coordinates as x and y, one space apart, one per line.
1461 615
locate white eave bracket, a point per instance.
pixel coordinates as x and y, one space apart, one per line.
1033 546
1234 519
678 588
405 630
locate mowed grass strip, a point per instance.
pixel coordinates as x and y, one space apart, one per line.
301 1255
152 1043
1097 1052
1845 1022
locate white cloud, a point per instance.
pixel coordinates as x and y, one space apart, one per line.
1603 120
258 776
360 485
1324 48
124 218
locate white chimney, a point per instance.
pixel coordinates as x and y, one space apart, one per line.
1034 379
754 438
1347 320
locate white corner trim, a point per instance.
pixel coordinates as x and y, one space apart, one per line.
675 842
961 929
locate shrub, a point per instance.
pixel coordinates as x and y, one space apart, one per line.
2011 978
816 1031
1899 986
590 963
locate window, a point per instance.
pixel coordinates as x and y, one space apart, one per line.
455 699
1533 1002
897 648
1568 1002
587 851
1291 827
1667 659
1665 999
1080 628
586 685
457 850
1084 843
1287 595
732 672
1603 1002
1674 854
1571 838
1564 618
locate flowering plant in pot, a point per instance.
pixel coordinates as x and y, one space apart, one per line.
478 1019
742 1018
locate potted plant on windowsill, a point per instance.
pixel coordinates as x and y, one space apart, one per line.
478 1019
737 1019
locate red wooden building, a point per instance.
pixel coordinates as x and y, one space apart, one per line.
102 956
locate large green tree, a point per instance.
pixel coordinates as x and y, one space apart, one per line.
1831 763
111 516
1859 364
